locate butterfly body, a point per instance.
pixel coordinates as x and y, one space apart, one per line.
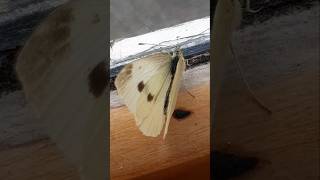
149 87
173 69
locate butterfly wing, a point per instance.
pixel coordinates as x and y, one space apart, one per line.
150 112
143 85
173 95
131 75
63 74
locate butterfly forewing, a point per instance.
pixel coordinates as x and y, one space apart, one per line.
59 67
149 115
133 77
149 88
142 85
173 95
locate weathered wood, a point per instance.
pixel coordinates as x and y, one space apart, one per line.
133 154
35 161
285 143
281 63
196 169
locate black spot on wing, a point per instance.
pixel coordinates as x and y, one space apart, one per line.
129 66
59 26
150 97
98 79
128 72
140 86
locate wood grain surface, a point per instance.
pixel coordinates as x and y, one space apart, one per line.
35 160
284 73
134 155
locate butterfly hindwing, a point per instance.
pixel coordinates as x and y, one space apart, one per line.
173 95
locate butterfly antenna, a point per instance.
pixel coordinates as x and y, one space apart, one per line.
258 101
177 46
152 44
187 63
183 43
193 36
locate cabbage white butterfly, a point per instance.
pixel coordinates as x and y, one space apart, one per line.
149 87
64 78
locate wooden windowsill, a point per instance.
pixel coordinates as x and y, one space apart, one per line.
187 143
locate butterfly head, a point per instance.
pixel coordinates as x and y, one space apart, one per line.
176 52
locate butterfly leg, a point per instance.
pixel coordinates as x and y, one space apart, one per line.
187 63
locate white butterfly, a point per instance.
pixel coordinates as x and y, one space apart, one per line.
64 77
149 87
